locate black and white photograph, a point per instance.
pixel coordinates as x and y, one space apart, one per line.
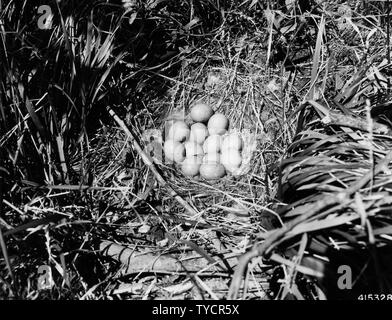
219 152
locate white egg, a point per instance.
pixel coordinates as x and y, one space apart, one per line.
231 159
212 171
199 133
191 165
218 124
201 112
212 144
211 158
192 148
232 141
179 131
174 151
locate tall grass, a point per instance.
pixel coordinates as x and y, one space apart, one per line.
70 179
55 86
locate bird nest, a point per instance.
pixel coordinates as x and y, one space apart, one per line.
248 137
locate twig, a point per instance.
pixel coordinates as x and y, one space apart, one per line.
134 261
148 161
337 119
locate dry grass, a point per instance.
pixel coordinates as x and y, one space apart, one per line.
77 194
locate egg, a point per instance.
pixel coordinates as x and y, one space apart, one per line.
212 144
179 131
211 158
174 151
231 159
218 124
232 141
201 112
199 133
192 148
191 165
212 171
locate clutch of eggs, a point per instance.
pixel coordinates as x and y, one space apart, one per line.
204 148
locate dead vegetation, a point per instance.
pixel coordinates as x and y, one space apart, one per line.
80 193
